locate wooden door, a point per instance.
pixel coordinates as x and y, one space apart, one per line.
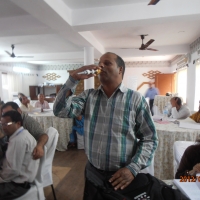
33 92
165 83
58 88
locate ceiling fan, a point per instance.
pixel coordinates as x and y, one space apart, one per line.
153 2
144 46
12 55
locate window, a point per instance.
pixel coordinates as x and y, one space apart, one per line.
4 87
197 91
182 83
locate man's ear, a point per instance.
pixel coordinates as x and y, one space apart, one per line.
19 123
19 110
121 70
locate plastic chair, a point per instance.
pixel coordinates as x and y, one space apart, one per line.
51 105
179 149
36 191
51 147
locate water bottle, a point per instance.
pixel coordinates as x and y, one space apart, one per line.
169 107
165 113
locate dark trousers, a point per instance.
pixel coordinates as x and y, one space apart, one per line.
151 105
90 191
11 190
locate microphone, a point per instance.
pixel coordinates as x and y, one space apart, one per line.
92 71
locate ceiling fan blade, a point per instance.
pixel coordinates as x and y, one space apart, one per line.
125 48
153 2
8 53
148 43
25 56
151 49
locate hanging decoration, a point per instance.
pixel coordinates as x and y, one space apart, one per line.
51 76
151 74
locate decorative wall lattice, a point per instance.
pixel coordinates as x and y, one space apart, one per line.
151 74
51 76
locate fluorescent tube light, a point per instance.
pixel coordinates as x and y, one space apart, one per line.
21 69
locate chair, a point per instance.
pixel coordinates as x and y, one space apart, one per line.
147 100
149 169
36 191
179 149
51 105
51 147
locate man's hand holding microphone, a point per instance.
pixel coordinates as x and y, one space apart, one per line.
85 72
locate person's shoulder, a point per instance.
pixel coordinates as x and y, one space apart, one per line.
193 149
26 117
91 91
24 137
135 93
21 105
185 107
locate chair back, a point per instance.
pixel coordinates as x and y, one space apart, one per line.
51 147
179 149
51 105
36 191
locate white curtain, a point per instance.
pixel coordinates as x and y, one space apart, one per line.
14 84
182 83
197 89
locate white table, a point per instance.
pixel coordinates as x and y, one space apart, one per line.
63 126
161 101
167 135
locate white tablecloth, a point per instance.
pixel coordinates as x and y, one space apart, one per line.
63 126
167 135
161 101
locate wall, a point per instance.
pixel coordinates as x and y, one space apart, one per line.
139 69
24 80
59 80
191 80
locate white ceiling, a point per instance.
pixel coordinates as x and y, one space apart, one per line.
57 31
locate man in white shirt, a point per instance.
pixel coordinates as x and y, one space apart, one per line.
31 125
19 169
41 103
178 110
25 103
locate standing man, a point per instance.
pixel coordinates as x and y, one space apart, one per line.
151 93
120 136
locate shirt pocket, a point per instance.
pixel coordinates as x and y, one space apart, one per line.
123 119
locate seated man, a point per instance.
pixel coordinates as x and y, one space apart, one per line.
32 126
25 103
178 110
18 168
41 103
196 116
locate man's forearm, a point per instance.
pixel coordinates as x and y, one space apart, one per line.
65 92
43 140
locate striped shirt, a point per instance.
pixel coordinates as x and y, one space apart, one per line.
119 131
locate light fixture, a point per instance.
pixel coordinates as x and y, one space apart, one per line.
21 69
